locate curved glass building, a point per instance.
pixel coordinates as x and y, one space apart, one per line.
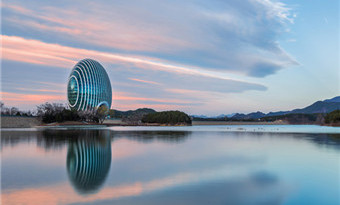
88 86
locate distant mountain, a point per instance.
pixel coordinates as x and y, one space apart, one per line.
325 106
250 116
221 116
199 116
277 113
335 99
212 117
129 113
239 116
228 115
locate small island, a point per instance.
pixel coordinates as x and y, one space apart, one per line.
172 118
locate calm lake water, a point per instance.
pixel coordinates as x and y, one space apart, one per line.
293 165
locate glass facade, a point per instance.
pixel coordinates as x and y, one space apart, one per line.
88 86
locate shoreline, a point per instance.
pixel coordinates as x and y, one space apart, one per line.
33 122
238 123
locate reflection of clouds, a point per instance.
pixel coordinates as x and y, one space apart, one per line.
88 162
244 190
258 188
249 27
208 176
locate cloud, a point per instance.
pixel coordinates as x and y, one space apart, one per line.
256 187
129 74
17 99
145 81
33 51
153 53
215 35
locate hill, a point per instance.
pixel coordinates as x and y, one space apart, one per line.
168 118
296 118
333 117
335 99
250 116
129 113
310 113
322 107
325 106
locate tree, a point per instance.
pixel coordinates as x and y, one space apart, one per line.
14 111
167 117
50 112
2 106
101 113
87 115
112 113
333 117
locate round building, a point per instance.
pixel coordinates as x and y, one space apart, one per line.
88 86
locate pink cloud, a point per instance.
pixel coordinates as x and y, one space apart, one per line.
124 100
158 107
17 9
17 99
34 51
42 90
64 194
145 81
127 36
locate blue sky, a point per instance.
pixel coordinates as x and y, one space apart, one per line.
202 57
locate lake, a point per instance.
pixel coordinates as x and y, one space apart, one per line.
281 164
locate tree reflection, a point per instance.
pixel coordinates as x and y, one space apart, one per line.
89 161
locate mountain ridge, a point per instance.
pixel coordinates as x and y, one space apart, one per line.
325 106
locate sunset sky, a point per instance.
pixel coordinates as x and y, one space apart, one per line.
202 57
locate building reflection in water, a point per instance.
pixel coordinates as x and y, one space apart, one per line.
89 161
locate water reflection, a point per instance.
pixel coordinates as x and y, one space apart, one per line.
150 136
57 139
168 167
89 161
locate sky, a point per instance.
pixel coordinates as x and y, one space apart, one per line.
202 57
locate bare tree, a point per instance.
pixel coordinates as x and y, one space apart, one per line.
101 113
14 111
2 106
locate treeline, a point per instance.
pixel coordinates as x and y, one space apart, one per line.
294 118
13 111
167 117
333 117
225 119
56 112
297 118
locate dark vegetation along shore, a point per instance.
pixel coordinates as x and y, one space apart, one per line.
316 113
325 112
54 114
167 118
